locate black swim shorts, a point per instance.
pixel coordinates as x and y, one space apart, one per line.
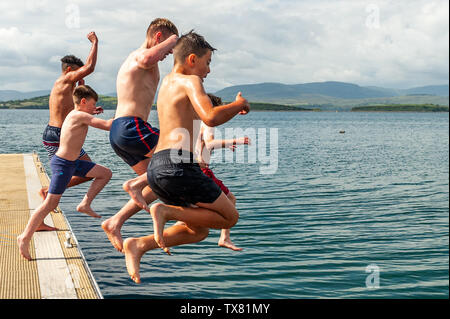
176 178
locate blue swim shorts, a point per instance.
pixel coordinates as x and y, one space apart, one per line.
63 170
132 138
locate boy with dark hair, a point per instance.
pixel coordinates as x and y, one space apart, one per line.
61 103
132 138
66 163
173 174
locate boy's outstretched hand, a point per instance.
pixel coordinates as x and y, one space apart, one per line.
98 110
245 103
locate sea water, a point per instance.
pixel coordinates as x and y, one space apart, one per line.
360 214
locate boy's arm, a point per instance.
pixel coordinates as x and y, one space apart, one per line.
148 57
91 120
213 116
89 67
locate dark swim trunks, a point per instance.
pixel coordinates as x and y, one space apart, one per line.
178 180
50 139
132 138
63 170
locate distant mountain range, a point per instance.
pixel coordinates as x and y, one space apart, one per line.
335 94
323 95
9 95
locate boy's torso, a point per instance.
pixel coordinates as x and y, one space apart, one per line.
176 114
136 88
73 135
60 101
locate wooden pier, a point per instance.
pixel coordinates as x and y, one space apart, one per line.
58 269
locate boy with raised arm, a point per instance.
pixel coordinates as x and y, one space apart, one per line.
204 146
61 103
65 164
132 138
173 174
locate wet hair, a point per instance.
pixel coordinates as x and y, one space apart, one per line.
70 60
215 100
189 43
84 91
161 25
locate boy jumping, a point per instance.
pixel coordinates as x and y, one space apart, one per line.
173 174
65 164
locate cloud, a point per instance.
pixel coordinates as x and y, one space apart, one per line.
387 43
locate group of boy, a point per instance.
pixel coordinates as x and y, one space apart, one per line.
170 164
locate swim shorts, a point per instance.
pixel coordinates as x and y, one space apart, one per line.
50 139
63 170
132 138
176 178
208 172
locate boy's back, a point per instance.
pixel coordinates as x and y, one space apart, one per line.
73 135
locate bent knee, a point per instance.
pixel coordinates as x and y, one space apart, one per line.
232 219
199 232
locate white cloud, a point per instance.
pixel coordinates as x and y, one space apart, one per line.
379 42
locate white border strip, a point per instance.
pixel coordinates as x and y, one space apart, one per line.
55 280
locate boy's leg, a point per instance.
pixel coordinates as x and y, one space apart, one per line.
225 239
178 234
113 225
134 188
36 219
101 176
219 214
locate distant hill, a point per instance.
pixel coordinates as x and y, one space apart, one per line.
41 102
336 95
8 95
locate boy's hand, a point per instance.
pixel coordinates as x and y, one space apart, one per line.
98 110
244 102
92 37
243 141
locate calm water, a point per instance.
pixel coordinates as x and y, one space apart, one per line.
376 195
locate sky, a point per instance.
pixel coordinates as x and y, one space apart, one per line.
397 44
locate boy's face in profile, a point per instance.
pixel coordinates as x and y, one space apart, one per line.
201 66
88 105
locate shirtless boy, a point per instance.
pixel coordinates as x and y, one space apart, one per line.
131 137
66 163
173 174
61 103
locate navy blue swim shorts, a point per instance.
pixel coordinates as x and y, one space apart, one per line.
176 178
50 139
132 138
63 170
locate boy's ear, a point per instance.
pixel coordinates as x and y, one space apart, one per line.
83 101
158 36
191 59
68 69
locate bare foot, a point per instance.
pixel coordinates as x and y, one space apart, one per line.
86 209
159 220
43 192
45 227
135 193
113 233
227 243
24 247
132 258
